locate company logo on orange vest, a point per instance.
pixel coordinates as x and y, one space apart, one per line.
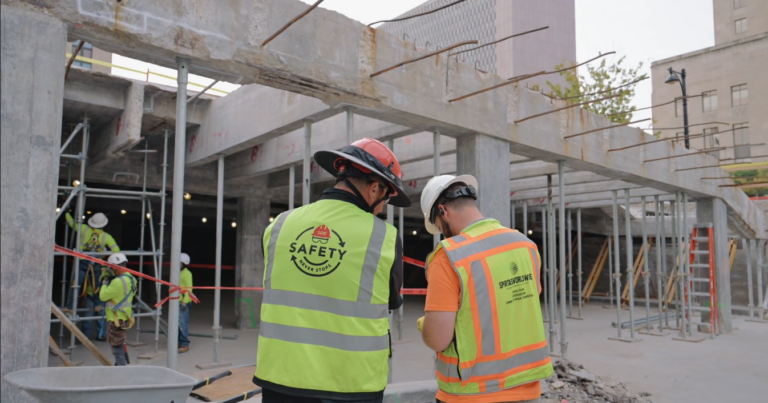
318 251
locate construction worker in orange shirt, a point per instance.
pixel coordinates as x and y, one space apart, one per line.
482 314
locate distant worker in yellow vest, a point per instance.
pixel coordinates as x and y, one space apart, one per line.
482 313
93 239
185 301
333 272
118 290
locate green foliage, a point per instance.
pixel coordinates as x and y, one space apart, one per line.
601 78
753 175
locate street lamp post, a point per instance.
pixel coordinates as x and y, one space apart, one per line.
672 79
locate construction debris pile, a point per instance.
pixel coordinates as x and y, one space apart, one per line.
572 384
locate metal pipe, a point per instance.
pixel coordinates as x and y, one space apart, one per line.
64 280
747 245
679 268
561 197
307 161
545 261
687 265
570 263
79 222
291 186
676 254
71 156
617 261
525 218
550 267
390 221
578 241
71 137
219 229
85 318
64 206
126 253
436 168
646 273
141 236
160 249
513 215
351 124
401 230
630 266
610 271
178 208
659 244
760 266
664 261
203 91
113 191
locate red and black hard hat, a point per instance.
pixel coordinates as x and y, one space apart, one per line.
369 156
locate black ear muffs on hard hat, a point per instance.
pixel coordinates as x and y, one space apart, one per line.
363 159
464 191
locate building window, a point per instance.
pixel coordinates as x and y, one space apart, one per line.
709 101
678 107
711 138
738 4
739 95
86 51
741 26
741 137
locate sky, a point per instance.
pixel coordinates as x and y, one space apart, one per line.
641 30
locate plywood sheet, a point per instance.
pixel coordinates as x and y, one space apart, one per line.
237 384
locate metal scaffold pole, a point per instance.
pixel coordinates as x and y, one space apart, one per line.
305 180
747 246
525 218
646 273
160 243
144 202
665 274
79 225
561 223
391 221
178 208
569 217
219 231
610 271
617 262
401 228
291 186
550 267
545 265
436 168
578 241
687 265
680 264
630 267
660 241
673 270
512 216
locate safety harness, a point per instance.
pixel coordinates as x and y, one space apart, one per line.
127 295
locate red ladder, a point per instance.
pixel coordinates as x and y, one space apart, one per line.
702 270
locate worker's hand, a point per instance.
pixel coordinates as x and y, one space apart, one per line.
105 282
183 306
420 323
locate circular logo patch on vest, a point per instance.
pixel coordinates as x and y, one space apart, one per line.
318 251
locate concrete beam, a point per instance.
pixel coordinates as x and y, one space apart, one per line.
573 190
570 179
122 132
331 57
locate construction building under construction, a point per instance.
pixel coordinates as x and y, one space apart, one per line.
654 231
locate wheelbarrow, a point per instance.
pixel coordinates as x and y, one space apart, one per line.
125 384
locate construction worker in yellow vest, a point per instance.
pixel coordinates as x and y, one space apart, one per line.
93 239
333 272
185 302
482 313
117 291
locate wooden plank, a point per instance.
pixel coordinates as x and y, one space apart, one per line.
597 268
80 336
733 245
237 384
639 265
56 350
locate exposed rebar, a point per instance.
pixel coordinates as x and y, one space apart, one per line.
72 58
608 90
565 107
604 128
420 14
652 106
422 57
500 40
298 17
685 155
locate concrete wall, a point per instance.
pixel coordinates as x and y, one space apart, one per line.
718 68
253 216
32 97
755 11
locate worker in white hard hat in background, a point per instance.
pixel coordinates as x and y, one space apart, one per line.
118 290
482 313
185 301
333 272
93 239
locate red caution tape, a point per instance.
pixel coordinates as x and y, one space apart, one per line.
414 262
413 291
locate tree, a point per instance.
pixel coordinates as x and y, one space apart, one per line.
603 81
753 175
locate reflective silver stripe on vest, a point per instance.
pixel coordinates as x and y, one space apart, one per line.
371 263
504 238
483 297
492 386
317 337
494 367
320 303
271 247
535 256
458 238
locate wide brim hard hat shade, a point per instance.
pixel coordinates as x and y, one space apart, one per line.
98 220
432 192
326 161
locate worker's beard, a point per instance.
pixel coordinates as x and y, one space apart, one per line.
447 233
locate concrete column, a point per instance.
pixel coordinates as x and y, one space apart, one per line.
252 219
487 158
715 211
33 47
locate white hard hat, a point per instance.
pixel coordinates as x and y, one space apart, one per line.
98 220
117 258
432 191
184 259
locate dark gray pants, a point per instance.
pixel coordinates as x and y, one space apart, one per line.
120 357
